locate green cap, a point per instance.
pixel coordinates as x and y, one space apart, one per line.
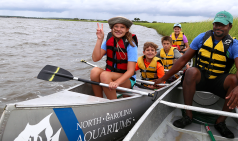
223 17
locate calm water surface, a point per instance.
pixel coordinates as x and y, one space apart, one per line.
27 45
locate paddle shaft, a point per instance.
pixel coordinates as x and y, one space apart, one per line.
97 83
89 63
199 109
209 132
138 80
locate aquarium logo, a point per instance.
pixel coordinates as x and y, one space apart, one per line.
33 131
227 42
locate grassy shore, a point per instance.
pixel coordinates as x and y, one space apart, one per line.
191 30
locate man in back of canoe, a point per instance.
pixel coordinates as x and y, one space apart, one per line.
216 53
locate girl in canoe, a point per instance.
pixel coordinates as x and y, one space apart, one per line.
120 47
179 39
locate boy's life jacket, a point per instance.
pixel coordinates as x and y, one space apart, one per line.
179 40
150 72
167 59
117 57
213 59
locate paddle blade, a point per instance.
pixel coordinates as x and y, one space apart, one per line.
54 74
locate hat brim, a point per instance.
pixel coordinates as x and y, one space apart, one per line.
120 20
221 20
177 26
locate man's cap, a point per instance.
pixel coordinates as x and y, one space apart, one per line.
121 20
178 25
223 17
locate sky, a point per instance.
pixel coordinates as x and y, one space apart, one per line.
169 11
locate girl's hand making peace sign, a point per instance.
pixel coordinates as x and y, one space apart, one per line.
100 33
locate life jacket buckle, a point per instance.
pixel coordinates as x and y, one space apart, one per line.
210 66
213 50
211 60
143 70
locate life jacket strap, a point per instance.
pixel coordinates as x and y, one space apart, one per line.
115 69
116 61
147 79
167 58
168 65
142 70
210 60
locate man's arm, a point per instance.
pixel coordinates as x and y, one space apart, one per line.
178 65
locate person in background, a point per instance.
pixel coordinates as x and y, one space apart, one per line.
149 65
169 55
216 52
121 51
179 39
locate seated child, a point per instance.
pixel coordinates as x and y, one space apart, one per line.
150 66
168 54
121 51
179 39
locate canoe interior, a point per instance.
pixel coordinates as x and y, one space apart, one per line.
158 125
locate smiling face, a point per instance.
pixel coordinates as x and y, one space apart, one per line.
149 52
221 30
119 30
166 45
177 30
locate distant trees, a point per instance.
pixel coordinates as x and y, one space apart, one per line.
136 19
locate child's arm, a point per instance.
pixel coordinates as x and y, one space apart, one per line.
185 40
187 47
160 70
137 67
130 71
98 52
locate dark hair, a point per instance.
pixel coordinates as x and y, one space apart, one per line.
129 38
166 38
150 44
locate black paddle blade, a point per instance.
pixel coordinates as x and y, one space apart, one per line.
55 74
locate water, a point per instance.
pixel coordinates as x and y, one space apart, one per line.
27 45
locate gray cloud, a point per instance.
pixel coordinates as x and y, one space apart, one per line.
177 9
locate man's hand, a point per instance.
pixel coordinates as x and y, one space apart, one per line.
233 96
158 81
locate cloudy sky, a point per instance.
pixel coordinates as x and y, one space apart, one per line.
172 11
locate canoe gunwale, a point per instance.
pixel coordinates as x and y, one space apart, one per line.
134 95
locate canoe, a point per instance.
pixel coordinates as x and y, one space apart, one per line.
74 114
156 124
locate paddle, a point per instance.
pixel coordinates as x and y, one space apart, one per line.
56 74
138 80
